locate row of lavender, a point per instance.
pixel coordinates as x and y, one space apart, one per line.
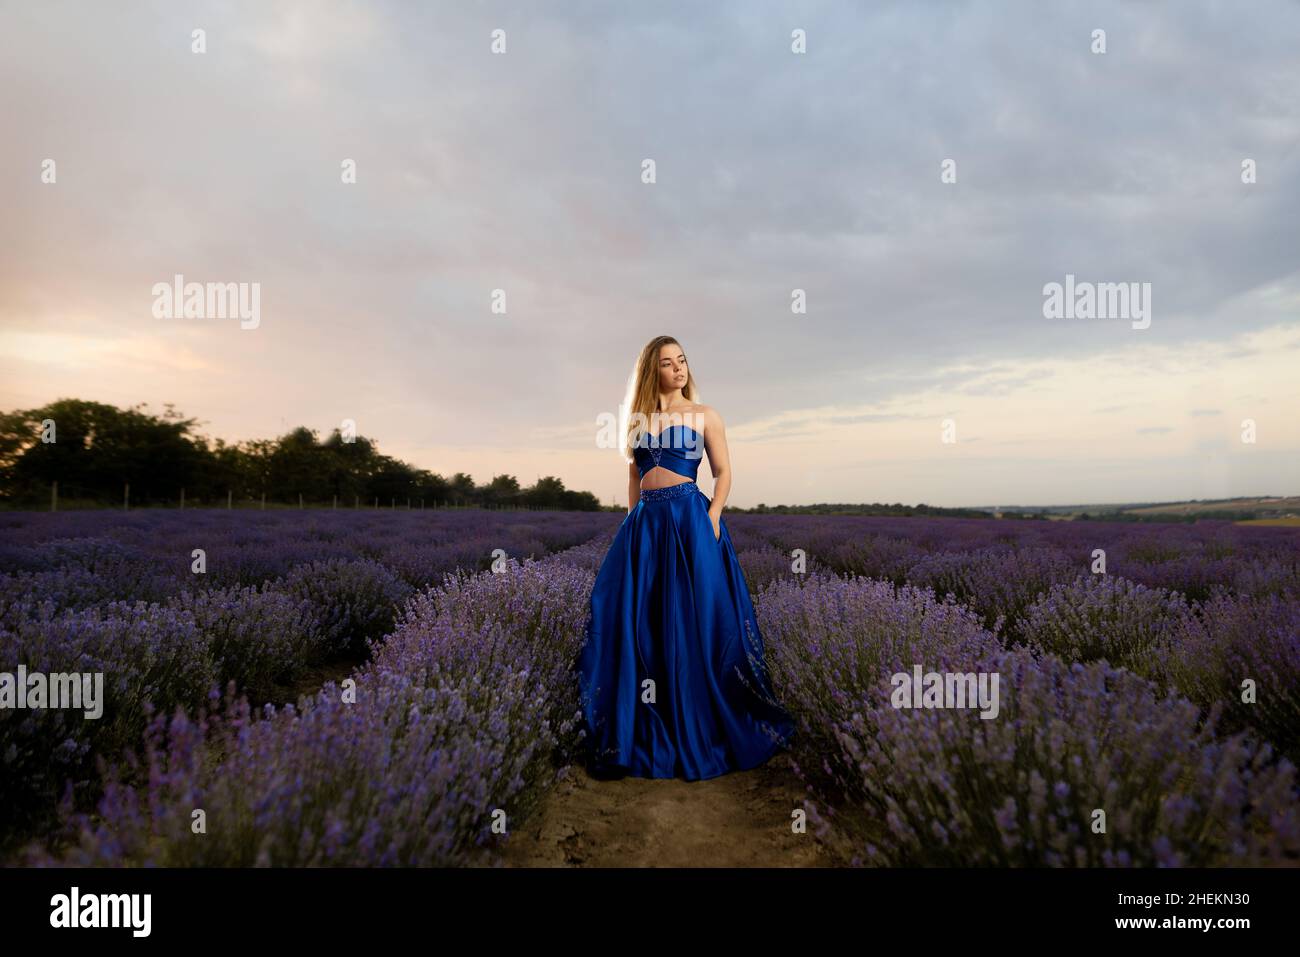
1004 565
427 755
170 606
447 737
1084 763
1198 610
1151 711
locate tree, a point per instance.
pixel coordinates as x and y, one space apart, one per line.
99 448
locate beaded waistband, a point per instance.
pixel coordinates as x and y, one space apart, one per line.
670 491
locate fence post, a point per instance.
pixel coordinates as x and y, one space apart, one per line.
229 496
126 496
182 496
263 501
54 497
336 502
300 499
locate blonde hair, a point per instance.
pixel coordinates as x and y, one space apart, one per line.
641 401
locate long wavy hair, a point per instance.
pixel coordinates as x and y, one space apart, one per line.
643 392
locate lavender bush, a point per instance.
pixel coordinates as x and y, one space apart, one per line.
537 611
832 644
1235 640
762 565
355 602
256 639
60 589
874 556
410 773
455 720
999 582
150 657
1104 617
948 788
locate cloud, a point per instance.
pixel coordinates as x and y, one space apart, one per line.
521 173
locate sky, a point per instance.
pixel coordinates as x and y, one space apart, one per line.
920 172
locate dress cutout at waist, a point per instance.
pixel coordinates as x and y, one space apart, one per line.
671 449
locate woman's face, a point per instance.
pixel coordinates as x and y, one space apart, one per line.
672 368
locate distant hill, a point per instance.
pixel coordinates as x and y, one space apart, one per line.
1271 508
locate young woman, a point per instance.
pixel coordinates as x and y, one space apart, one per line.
672 673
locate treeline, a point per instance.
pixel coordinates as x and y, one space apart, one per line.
96 451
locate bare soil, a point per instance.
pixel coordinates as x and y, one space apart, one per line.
739 819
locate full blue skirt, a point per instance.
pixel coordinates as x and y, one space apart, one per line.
672 672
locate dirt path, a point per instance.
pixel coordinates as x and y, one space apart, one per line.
740 819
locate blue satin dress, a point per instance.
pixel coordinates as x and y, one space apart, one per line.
672 671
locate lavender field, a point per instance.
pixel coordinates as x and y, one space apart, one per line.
320 688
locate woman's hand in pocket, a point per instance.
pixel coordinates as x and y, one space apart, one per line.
717 526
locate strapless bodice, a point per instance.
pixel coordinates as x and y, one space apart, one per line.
671 449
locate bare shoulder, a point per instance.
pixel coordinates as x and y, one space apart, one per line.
708 415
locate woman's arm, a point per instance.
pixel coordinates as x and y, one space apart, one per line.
633 485
715 443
